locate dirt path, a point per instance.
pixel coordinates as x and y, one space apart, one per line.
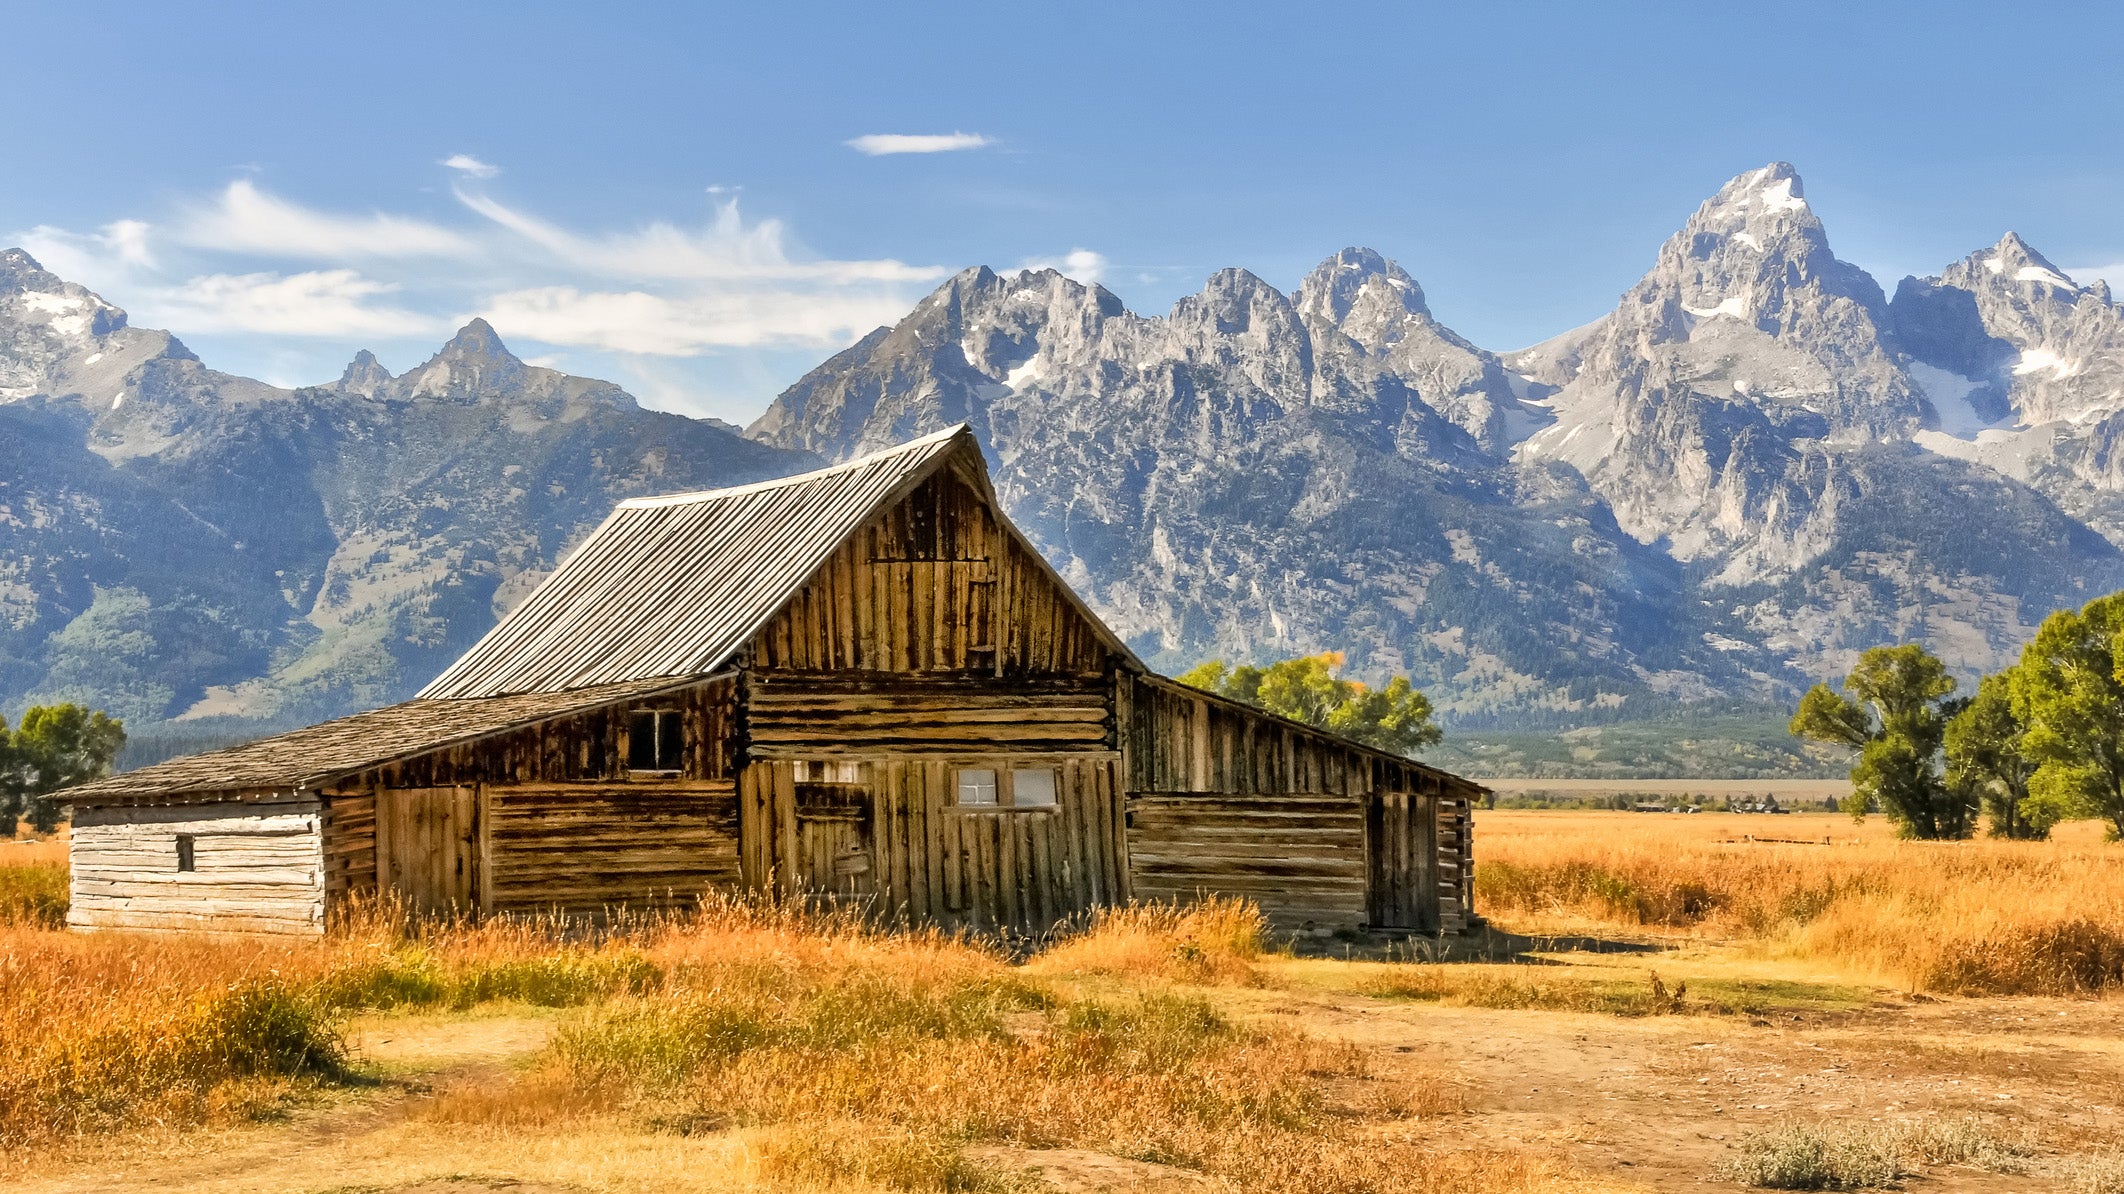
1662 1099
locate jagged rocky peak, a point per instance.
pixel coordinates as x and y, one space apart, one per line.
365 375
36 296
2012 261
1354 278
474 363
2017 333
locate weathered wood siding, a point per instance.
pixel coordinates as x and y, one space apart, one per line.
589 849
587 748
931 861
1403 890
935 584
1301 858
257 867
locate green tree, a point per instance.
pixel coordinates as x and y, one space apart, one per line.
1987 765
55 747
1394 717
2069 693
1893 712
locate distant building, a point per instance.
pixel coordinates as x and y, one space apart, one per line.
861 683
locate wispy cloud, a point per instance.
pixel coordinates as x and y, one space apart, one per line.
278 277
685 325
245 219
327 303
465 163
726 248
1084 265
881 144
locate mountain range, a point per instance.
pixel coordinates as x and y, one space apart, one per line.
1755 466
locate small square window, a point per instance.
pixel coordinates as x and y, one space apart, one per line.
187 856
656 741
1032 787
977 787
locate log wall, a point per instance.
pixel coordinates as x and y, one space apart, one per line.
589 849
1300 858
587 748
258 867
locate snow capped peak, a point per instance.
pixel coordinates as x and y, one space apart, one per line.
2014 259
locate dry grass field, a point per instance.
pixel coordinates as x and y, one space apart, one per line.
1661 1003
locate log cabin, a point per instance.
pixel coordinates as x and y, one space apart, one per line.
859 684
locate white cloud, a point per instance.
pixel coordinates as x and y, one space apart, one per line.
247 220
1081 264
881 144
691 324
465 163
2086 274
725 249
118 250
324 303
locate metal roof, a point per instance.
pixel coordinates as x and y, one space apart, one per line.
309 758
674 586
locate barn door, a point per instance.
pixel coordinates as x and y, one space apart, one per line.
427 847
1401 861
834 836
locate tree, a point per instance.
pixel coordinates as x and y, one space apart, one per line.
1987 764
1893 712
1394 718
2069 692
55 747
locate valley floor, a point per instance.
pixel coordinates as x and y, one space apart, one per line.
1631 1101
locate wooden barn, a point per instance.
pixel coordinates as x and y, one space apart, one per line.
860 683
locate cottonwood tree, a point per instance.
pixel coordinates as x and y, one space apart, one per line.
1893 712
55 747
1987 765
2069 692
1394 717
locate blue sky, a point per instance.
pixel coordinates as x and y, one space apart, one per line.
668 196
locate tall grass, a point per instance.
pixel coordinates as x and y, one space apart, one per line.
1986 916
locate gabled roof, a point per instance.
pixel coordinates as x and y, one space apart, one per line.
676 586
309 758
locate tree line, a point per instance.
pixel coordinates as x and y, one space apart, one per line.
55 747
1394 717
2038 743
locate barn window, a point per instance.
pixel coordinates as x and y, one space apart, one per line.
187 858
977 787
1032 787
656 741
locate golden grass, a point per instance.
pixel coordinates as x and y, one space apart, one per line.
1215 941
834 1055
1982 916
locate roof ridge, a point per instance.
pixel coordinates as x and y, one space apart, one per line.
707 495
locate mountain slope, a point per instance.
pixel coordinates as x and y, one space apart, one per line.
183 543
